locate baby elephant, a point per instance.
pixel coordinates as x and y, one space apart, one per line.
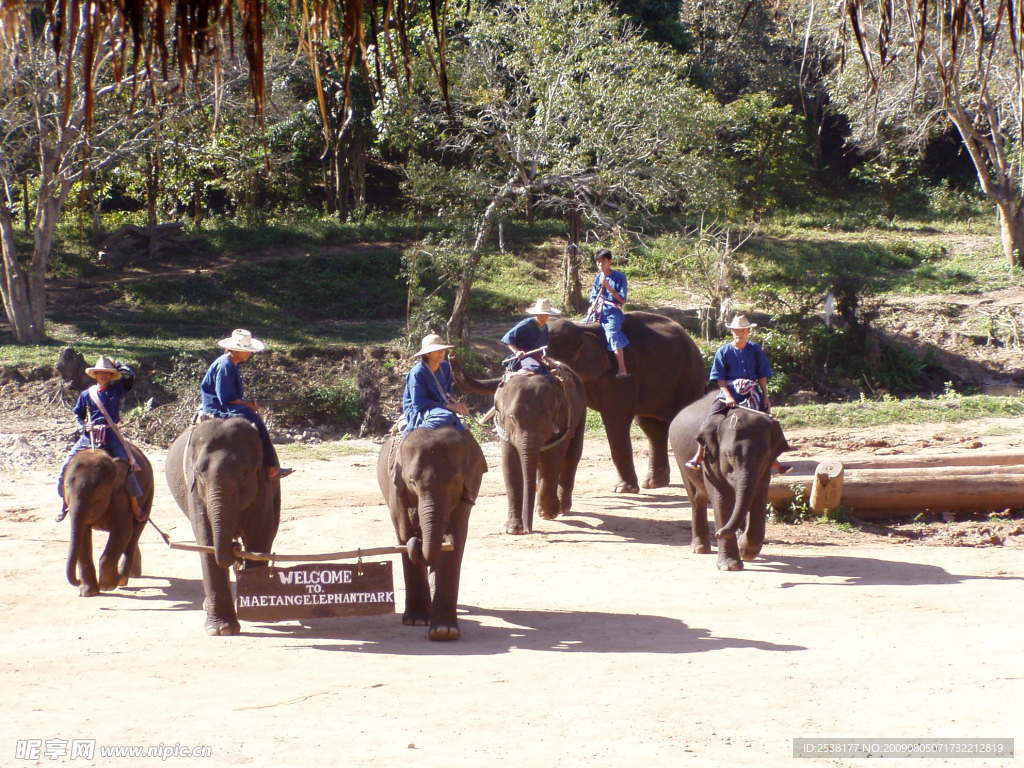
96 498
430 481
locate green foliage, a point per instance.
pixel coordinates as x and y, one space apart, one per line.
795 510
766 153
327 404
892 410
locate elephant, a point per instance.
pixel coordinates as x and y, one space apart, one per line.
667 373
541 420
430 479
734 477
216 475
96 498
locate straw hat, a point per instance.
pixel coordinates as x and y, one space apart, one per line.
104 365
739 322
242 341
431 343
542 307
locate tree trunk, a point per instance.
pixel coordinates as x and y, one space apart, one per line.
152 189
460 308
1011 230
13 286
572 291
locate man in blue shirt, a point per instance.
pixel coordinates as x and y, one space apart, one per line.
530 335
741 370
113 381
607 297
426 399
223 392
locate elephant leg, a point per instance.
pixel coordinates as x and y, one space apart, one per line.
221 618
728 550
444 621
616 427
131 560
117 542
549 469
417 593
512 468
657 437
752 539
89 586
700 543
567 474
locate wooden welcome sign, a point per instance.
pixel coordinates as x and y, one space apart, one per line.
315 591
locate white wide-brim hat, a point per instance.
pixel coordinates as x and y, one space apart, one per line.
242 341
431 343
104 365
739 322
542 307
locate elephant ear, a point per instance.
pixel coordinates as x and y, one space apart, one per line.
592 359
779 442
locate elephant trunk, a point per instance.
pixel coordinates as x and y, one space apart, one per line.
744 488
433 530
223 534
529 454
77 531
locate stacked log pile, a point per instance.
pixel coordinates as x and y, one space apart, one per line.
131 245
901 486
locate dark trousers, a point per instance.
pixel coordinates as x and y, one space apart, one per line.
710 424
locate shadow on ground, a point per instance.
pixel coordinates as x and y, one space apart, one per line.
861 571
486 631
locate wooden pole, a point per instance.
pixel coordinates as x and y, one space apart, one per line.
827 487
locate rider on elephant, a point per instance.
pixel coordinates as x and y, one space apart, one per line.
98 412
223 392
426 400
607 297
741 370
528 339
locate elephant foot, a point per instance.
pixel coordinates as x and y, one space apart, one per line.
415 619
88 590
625 487
700 547
729 564
515 528
445 632
122 580
218 627
659 480
749 552
548 515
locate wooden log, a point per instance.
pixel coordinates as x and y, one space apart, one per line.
827 487
873 493
804 466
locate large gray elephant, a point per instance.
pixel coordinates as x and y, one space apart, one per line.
541 420
96 498
667 373
734 477
430 479
216 475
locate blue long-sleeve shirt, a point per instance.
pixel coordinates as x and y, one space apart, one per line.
222 384
425 392
111 398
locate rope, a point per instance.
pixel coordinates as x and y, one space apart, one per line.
241 554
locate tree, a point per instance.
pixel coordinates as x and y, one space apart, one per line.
911 63
43 116
564 105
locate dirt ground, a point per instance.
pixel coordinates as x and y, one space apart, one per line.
599 640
